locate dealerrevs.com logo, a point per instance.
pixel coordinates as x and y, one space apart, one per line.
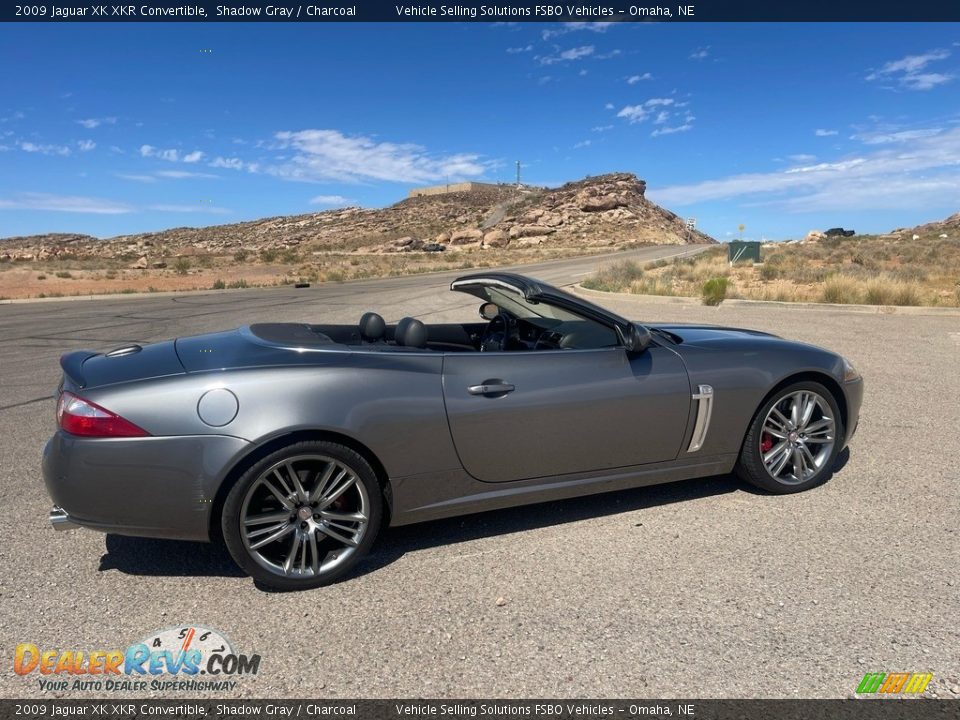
187 657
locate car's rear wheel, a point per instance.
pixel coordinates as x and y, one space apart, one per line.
303 516
793 440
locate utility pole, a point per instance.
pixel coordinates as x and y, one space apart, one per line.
518 173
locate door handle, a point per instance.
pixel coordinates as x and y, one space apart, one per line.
491 388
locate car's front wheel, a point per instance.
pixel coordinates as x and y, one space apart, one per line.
303 516
793 440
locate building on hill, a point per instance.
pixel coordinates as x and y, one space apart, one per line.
463 187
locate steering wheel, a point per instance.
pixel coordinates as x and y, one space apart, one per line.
498 334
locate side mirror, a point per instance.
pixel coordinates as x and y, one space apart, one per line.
489 310
636 338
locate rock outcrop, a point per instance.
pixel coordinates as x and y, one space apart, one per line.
606 211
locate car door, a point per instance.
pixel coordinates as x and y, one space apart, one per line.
519 415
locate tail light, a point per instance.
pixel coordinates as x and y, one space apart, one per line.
82 417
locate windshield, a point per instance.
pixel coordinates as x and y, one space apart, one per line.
520 307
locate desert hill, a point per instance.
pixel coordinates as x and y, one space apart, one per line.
606 211
949 227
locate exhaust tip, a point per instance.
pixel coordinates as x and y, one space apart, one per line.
60 519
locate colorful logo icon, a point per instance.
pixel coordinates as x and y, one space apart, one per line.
894 683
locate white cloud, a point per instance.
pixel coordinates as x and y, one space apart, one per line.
607 55
523 49
320 155
582 144
63 203
30 147
91 123
700 53
906 71
171 155
569 55
182 174
671 130
233 164
331 200
640 113
570 27
821 132
926 174
897 136
601 128
608 106
86 145
634 79
925 81
137 178
802 158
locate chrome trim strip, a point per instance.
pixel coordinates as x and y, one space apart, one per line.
704 400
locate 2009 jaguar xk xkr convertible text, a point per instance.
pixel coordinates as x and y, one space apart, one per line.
298 442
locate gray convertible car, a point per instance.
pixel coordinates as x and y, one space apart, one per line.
296 443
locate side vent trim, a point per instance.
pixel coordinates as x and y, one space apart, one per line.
704 398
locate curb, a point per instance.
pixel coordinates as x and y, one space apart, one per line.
916 310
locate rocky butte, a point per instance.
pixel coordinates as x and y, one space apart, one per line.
597 213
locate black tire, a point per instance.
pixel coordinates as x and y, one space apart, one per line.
750 466
251 497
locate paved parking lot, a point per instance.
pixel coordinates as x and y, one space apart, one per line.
697 589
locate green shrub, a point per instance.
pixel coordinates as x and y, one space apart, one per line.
238 284
64 274
241 255
182 265
715 290
268 255
219 284
41 277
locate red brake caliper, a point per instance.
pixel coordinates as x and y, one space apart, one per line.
766 442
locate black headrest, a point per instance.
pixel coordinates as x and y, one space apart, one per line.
372 327
411 332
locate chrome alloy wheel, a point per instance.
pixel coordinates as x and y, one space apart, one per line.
798 436
304 516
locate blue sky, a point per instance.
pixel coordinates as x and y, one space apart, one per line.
119 128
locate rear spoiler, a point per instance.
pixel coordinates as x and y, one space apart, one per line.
72 365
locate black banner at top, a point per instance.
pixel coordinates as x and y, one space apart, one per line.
485 11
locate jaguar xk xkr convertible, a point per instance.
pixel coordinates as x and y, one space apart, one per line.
297 443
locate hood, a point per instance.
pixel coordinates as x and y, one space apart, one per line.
705 335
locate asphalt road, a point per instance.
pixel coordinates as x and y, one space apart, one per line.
696 589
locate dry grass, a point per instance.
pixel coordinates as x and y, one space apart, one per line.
874 270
